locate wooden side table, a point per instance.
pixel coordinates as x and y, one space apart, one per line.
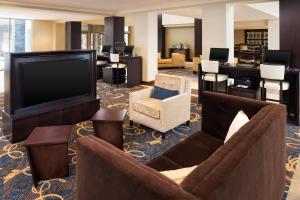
108 125
47 150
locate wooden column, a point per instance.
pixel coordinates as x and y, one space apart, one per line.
113 30
198 37
290 29
161 47
73 35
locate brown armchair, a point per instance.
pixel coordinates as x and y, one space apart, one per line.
177 60
251 165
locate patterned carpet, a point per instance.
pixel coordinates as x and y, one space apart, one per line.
141 142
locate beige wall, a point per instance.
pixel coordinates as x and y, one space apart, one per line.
47 35
239 36
183 35
43 35
60 36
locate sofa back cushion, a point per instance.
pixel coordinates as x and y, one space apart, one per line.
219 110
251 165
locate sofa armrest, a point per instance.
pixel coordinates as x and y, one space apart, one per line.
139 95
176 108
219 110
106 172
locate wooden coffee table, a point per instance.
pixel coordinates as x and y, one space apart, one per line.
108 125
47 150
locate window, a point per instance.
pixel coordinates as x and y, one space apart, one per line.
15 36
126 34
4 40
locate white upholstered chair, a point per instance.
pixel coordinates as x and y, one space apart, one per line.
272 77
115 60
162 115
116 65
210 71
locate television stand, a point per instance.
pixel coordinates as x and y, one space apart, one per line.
21 124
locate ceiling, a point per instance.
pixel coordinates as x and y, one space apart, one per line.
82 10
242 11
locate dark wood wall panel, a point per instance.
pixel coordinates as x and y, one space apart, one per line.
198 37
290 29
113 30
73 35
161 36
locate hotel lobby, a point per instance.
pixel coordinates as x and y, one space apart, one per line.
150 100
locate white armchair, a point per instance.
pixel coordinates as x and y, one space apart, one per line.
162 115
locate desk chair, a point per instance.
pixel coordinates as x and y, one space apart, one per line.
272 77
115 60
210 71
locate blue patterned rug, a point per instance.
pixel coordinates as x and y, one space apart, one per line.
141 142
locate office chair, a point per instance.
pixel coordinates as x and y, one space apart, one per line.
210 71
272 78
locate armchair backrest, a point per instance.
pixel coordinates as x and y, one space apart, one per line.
178 59
173 83
210 66
274 72
114 57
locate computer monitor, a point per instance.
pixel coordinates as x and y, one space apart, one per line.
277 57
106 49
128 50
219 54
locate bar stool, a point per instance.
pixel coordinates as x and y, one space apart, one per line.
210 71
272 77
115 60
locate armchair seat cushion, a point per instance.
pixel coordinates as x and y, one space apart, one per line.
275 85
212 77
184 154
148 106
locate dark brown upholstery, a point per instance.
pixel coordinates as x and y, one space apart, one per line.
107 173
249 166
192 151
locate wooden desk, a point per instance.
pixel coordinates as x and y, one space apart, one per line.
134 68
292 96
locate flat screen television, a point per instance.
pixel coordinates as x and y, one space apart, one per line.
277 57
219 54
48 81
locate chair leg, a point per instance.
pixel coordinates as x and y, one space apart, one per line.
117 75
263 94
188 123
281 97
216 85
163 136
203 85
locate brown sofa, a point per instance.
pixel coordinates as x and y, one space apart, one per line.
251 165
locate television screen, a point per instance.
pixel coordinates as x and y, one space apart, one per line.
54 80
219 54
279 57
